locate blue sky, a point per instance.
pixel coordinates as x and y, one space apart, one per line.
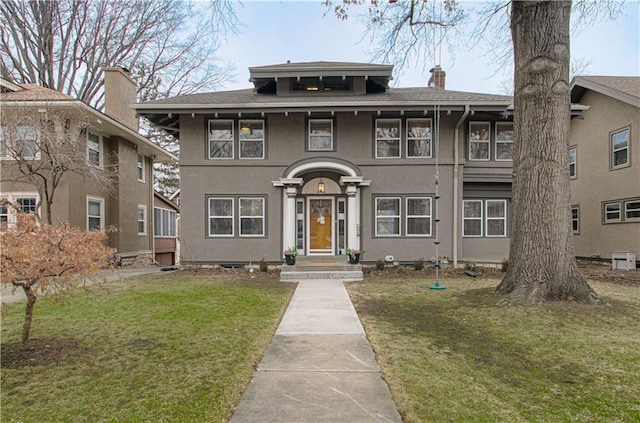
276 31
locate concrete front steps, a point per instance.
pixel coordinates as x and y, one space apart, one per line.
321 267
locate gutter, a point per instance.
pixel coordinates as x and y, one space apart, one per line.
456 169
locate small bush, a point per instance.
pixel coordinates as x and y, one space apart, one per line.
379 264
419 264
263 266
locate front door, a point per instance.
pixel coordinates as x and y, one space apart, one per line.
321 236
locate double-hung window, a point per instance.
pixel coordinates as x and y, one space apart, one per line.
632 210
4 218
140 167
496 221
575 219
573 155
419 138
320 135
26 141
95 214
472 218
251 136
94 149
504 141
220 139
387 138
620 148
612 212
388 216
418 216
484 218
251 216
142 219
220 216
479 141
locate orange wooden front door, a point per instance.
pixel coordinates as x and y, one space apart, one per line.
321 226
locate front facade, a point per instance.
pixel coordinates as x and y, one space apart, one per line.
109 142
605 166
326 157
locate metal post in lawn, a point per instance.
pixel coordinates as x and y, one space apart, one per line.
436 139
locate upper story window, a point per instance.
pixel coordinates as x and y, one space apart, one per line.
479 141
387 138
419 138
620 148
221 139
573 164
251 136
320 135
94 149
504 141
140 167
21 144
319 84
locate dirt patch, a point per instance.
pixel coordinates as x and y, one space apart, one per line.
603 272
42 352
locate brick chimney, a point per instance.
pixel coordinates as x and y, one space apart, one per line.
119 92
437 77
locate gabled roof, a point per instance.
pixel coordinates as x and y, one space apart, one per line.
30 92
622 88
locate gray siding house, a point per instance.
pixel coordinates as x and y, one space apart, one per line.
325 156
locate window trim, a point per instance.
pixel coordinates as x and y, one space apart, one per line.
102 215
100 164
210 216
240 140
240 217
573 161
575 228
487 141
398 216
503 142
409 138
480 218
232 140
140 168
408 216
333 140
376 139
487 218
612 151
143 208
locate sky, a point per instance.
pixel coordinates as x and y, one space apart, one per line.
273 32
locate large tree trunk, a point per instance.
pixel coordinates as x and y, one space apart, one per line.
542 265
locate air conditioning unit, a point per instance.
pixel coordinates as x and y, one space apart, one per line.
623 260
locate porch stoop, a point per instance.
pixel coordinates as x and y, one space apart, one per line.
321 267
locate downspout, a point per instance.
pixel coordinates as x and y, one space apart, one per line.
456 168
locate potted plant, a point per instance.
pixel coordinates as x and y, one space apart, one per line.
290 255
354 255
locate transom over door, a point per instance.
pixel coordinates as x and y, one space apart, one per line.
321 235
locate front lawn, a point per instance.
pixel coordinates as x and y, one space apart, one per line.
454 356
168 348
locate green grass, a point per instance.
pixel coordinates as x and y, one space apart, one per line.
454 356
167 348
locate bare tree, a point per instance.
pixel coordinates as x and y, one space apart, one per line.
47 144
542 265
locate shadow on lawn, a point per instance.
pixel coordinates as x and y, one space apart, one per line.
42 352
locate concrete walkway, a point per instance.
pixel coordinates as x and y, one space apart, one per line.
319 367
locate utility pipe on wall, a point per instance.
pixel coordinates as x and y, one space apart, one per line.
456 167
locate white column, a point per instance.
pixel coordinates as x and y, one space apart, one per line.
289 217
353 218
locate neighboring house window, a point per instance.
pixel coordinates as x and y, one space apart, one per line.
388 216
326 83
620 148
25 203
632 210
164 222
95 213
220 216
4 218
4 150
140 168
251 139
612 212
573 170
221 139
575 219
504 141
94 149
26 141
320 134
142 220
418 216
419 137
472 218
479 141
496 221
251 216
387 138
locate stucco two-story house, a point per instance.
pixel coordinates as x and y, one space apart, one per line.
325 156
604 153
108 141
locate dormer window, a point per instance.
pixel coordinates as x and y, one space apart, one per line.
317 83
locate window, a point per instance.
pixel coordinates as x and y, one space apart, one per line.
26 141
316 84
140 168
632 210
504 141
95 214
573 170
4 218
620 149
419 138
387 138
94 149
4 139
496 222
320 135
612 212
27 204
164 222
388 216
221 139
220 216
479 141
418 216
251 139
575 219
251 216
142 220
472 218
